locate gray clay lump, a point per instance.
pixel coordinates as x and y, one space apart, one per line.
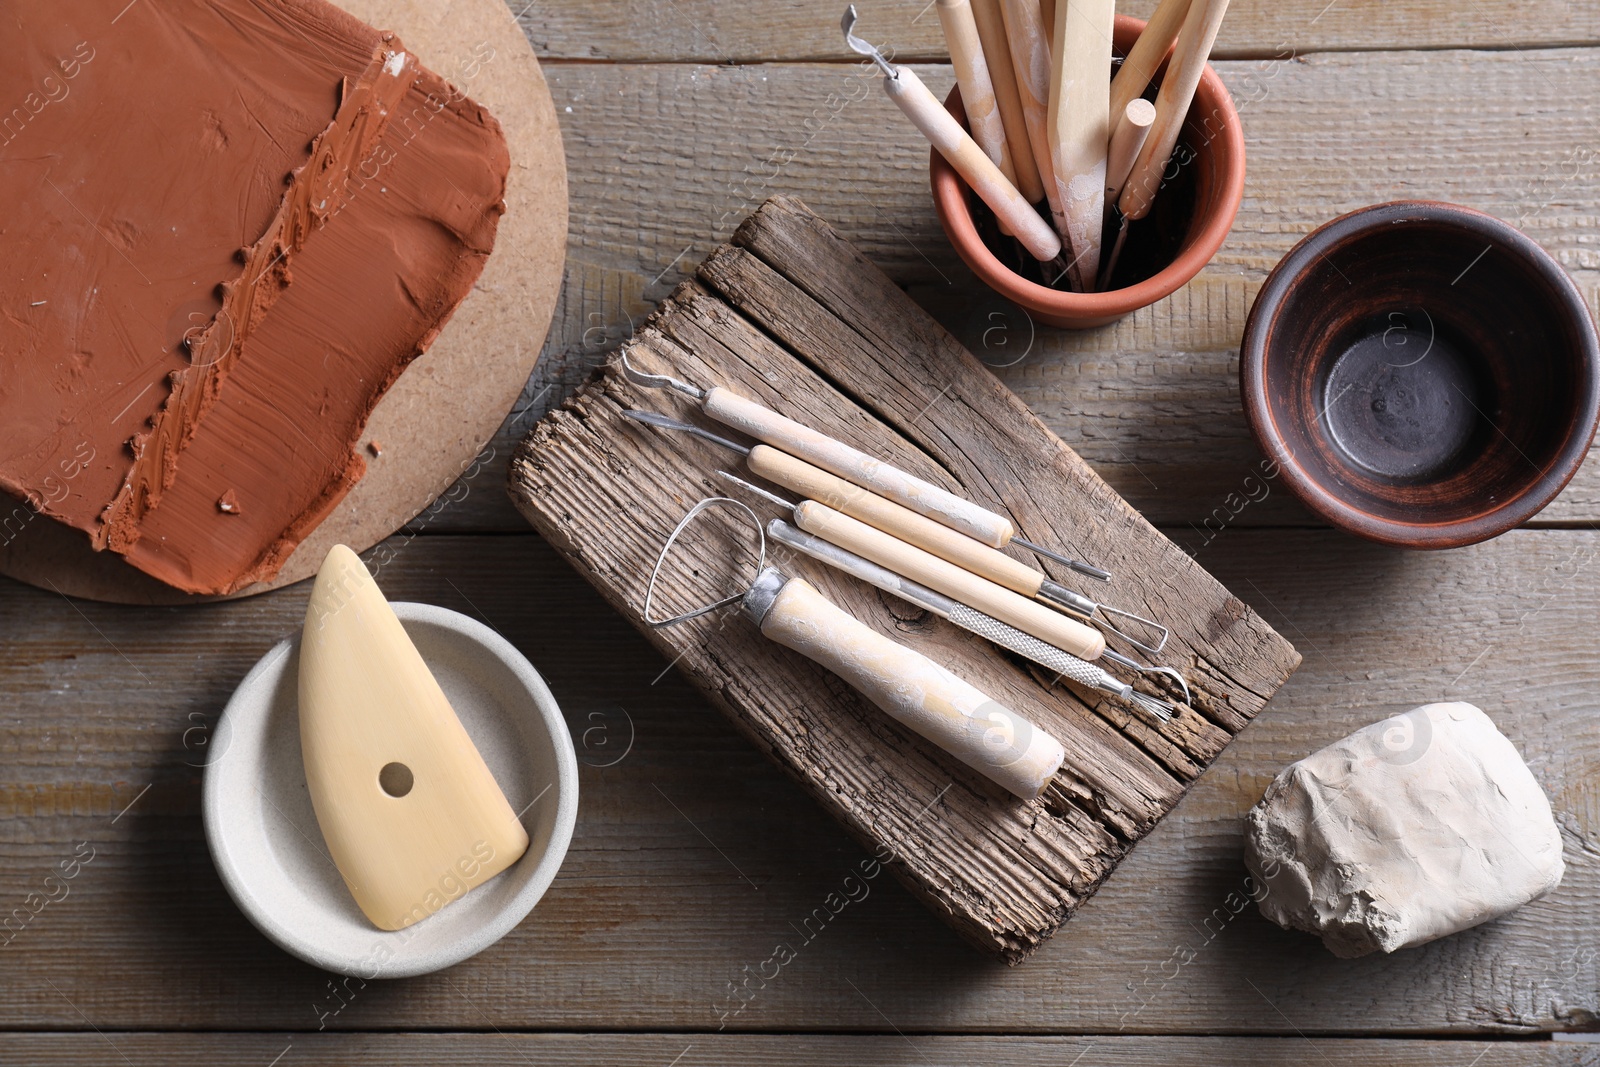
1406 831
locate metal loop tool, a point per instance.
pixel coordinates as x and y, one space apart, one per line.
912 689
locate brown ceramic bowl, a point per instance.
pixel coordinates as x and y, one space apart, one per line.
1425 375
1191 216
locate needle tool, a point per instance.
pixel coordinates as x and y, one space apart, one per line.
801 477
853 465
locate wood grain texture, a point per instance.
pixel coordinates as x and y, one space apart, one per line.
693 858
718 1050
802 323
786 30
1151 403
652 923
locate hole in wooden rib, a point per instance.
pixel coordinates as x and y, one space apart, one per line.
395 779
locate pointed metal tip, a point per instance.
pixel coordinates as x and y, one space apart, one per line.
655 419
1074 564
1090 572
757 490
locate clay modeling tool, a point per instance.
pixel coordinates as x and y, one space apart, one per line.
997 54
908 686
1199 32
1079 130
954 144
1029 40
1132 128
411 814
1066 633
1133 77
985 626
797 475
977 89
908 559
853 465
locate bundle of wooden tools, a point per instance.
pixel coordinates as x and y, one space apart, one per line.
936 550
1049 124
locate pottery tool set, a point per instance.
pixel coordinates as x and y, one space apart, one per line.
985 626
881 458
913 597
914 690
1048 121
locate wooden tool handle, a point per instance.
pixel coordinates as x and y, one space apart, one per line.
1132 127
1049 626
977 87
997 53
783 469
976 169
1199 32
1029 40
915 691
1080 130
856 466
1133 77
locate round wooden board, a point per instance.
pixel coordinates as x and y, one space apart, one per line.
438 416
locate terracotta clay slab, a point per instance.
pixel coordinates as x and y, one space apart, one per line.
791 315
450 400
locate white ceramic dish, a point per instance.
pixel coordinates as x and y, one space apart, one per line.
269 850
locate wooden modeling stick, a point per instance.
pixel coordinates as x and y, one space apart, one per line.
848 474
1133 77
1132 128
977 593
853 465
955 145
797 475
977 88
1080 89
1030 58
411 814
997 54
1047 14
1188 63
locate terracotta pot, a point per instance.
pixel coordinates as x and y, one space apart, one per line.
1424 374
1191 217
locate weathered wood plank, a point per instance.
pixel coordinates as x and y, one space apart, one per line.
704 32
850 355
715 1050
652 924
666 160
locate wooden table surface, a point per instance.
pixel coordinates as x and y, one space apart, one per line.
693 858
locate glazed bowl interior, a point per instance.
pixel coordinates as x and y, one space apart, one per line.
1426 374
